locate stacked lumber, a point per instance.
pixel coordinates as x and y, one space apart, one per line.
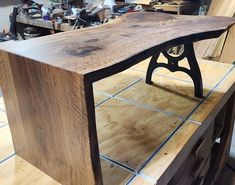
179 2
228 53
159 2
213 48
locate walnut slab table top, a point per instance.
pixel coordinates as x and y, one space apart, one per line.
96 50
47 84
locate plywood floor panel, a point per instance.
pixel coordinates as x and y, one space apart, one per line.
208 71
130 134
168 95
113 174
99 98
6 145
3 117
118 82
2 105
160 162
142 66
16 170
138 180
210 103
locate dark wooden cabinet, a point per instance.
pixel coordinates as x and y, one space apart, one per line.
206 160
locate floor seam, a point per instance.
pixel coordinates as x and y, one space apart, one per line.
8 157
117 163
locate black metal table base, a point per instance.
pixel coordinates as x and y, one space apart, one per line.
173 65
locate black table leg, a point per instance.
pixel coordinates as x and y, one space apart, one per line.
172 65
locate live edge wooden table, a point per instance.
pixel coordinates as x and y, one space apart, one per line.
150 133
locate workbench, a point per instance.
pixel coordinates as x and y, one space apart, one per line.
80 110
44 26
177 8
39 22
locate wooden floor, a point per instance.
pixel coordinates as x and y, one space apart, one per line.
133 121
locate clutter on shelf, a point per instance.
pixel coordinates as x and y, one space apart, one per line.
6 36
65 15
51 16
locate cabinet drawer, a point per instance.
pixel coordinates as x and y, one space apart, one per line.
201 168
199 181
185 169
195 167
219 122
203 148
201 176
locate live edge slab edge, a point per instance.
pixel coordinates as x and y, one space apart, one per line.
47 85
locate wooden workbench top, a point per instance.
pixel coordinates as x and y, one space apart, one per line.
141 135
133 36
39 22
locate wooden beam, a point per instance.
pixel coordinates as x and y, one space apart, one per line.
228 53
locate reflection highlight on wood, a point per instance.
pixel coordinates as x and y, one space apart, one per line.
99 98
3 117
2 105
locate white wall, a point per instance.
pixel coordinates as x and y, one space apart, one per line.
6 7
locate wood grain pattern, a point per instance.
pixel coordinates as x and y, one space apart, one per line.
220 8
100 51
6 145
168 95
99 98
142 66
139 180
208 70
46 107
129 134
216 100
213 47
113 174
115 83
17 171
160 162
228 54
